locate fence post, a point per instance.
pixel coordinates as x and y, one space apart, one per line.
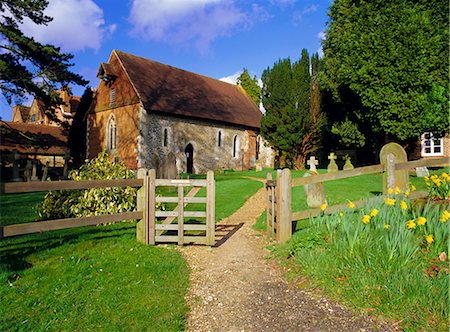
210 209
180 215
277 194
151 205
141 226
285 209
269 205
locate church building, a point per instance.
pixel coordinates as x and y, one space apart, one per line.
148 114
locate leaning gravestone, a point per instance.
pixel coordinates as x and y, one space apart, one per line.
348 163
422 172
332 167
312 163
315 192
394 153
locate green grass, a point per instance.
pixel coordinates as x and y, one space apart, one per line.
89 279
18 208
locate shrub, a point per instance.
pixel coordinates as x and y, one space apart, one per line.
79 203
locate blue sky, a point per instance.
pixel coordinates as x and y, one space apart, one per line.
216 38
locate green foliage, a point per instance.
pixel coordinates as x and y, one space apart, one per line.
78 203
293 118
250 85
388 63
77 131
375 258
349 134
439 186
26 66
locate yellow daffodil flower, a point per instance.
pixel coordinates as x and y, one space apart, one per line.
445 216
390 191
341 214
365 219
373 213
421 221
389 201
386 226
323 207
403 205
430 239
397 190
351 205
407 193
411 224
413 188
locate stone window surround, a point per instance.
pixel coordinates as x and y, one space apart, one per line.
166 137
111 133
235 149
431 145
220 138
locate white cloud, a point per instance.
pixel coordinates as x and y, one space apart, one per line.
194 22
298 15
76 25
321 35
232 79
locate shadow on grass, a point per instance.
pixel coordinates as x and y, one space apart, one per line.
14 252
376 193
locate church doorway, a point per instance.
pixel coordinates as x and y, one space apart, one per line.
189 152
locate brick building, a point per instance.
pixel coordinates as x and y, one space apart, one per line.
149 114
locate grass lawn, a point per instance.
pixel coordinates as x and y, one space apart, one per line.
92 278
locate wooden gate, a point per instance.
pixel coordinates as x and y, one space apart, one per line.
177 225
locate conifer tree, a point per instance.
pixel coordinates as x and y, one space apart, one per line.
250 85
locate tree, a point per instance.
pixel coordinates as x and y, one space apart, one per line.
77 131
386 63
250 85
26 66
293 118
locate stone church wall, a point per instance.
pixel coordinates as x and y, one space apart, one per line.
204 138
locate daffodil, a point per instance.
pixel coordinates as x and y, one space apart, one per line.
365 219
351 205
373 213
390 191
323 207
386 226
421 221
411 224
445 216
413 187
430 239
403 205
389 201
341 214
397 190
407 193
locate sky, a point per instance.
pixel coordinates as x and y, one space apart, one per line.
216 38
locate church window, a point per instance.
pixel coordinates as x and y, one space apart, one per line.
33 118
236 146
219 138
165 138
111 134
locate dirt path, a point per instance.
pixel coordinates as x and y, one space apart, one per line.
235 288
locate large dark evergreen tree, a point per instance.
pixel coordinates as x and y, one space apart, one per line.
26 66
293 119
386 64
250 85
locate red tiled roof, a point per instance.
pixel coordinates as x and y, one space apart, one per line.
167 89
30 138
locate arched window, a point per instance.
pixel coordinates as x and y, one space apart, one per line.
258 146
236 146
219 138
111 133
165 137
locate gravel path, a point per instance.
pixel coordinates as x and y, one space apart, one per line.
234 287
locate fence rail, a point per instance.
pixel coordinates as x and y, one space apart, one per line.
279 215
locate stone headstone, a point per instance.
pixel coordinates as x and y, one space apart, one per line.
258 166
315 192
421 172
332 166
34 171
169 167
348 163
312 163
394 178
156 164
45 172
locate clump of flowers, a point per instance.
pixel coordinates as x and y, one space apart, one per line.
445 216
438 186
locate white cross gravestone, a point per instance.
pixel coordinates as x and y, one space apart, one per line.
421 172
312 162
332 167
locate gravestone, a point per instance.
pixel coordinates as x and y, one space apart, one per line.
391 154
45 172
258 166
315 192
34 171
348 163
421 172
27 172
16 177
169 167
332 167
312 162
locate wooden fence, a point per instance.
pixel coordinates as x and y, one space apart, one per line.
279 215
148 230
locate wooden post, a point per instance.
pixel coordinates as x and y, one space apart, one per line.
16 177
151 205
269 206
66 165
210 209
142 225
277 194
285 208
390 171
45 173
180 215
